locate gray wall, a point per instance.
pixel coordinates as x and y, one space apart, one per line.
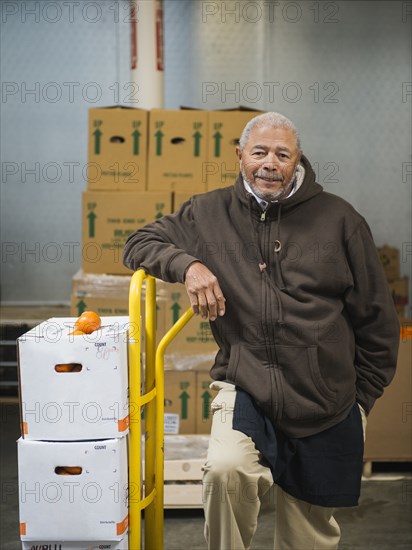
340 70
74 57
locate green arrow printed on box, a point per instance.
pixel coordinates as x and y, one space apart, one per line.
184 397
159 136
81 306
91 217
206 397
197 137
175 311
136 138
97 134
218 137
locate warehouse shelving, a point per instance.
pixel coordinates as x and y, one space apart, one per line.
15 321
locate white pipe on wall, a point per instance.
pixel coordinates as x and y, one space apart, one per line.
147 52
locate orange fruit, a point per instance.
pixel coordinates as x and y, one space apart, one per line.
88 322
68 367
76 333
68 470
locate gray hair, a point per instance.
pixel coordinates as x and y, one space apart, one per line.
276 120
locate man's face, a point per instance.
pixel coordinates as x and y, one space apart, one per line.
268 161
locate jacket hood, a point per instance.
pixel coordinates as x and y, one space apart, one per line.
306 191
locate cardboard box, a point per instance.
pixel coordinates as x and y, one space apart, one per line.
204 397
100 284
101 305
389 257
187 394
108 219
196 367
180 410
196 337
177 150
399 289
91 401
224 131
88 506
102 293
117 149
389 428
76 545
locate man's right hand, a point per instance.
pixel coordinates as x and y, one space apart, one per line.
204 292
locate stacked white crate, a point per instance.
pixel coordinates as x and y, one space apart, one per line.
72 455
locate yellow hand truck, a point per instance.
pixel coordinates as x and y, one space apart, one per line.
147 496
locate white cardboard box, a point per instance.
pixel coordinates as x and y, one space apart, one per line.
75 545
86 507
89 404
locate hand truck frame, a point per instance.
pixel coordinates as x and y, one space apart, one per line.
153 401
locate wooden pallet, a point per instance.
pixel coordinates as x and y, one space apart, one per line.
183 483
184 458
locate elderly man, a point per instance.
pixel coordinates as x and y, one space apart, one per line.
290 279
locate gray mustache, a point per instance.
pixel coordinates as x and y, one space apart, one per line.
275 177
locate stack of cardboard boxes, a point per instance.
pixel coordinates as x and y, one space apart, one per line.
142 165
117 201
390 259
72 456
389 430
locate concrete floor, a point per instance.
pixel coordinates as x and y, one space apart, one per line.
383 521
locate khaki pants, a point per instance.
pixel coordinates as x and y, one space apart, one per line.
234 483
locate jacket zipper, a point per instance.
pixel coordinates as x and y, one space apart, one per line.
276 405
